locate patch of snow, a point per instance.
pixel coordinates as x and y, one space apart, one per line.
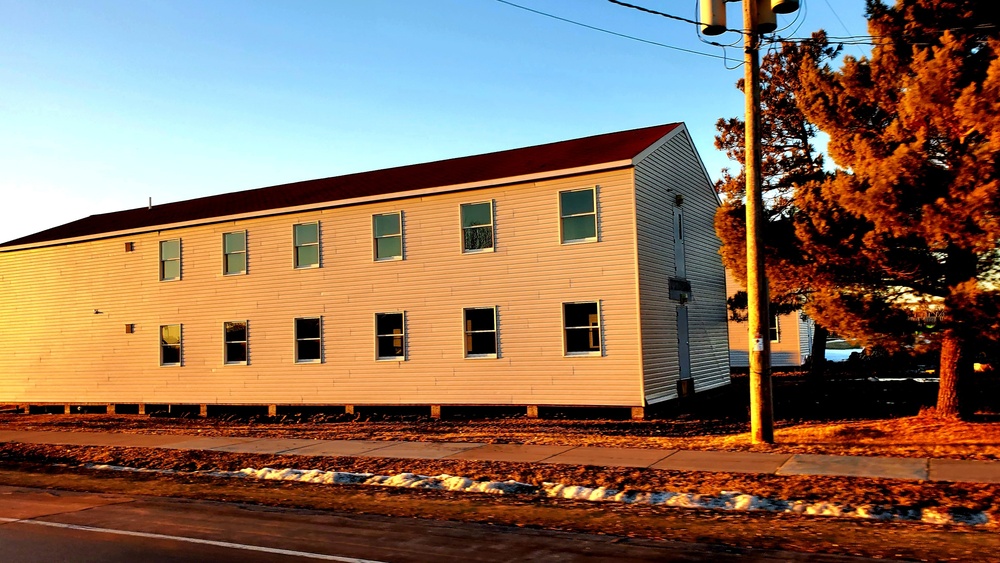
727 500
128 469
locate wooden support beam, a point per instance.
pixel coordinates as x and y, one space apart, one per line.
272 410
638 413
111 409
532 411
348 409
67 409
142 408
203 411
436 411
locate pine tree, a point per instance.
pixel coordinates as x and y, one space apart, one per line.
913 215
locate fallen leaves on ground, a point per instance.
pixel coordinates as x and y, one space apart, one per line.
914 436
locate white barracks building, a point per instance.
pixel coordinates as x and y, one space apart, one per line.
578 273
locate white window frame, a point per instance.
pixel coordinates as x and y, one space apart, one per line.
180 345
402 335
226 254
296 246
163 261
468 332
777 329
594 213
599 327
493 233
226 342
295 351
399 235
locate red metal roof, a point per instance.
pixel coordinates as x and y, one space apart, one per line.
537 159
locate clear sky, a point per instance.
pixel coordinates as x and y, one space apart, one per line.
104 104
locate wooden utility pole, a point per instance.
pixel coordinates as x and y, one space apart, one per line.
761 410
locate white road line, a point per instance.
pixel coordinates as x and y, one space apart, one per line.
277 551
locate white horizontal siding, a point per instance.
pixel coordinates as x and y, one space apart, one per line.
53 348
675 169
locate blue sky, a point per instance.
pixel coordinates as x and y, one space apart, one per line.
107 103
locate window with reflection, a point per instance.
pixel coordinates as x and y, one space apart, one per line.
480 332
309 340
235 333
170 345
578 215
390 336
477 226
234 250
170 260
387 229
306 238
582 328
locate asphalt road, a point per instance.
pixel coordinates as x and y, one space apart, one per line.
49 525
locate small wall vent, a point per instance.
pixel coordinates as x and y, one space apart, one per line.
129 247
130 328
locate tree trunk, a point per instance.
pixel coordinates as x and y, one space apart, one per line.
955 360
820 334
948 405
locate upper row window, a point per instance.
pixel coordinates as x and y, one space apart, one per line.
578 215
387 230
477 226
170 259
234 250
306 239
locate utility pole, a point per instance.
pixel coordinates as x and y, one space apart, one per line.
761 409
758 17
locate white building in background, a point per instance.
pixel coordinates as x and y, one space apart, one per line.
791 336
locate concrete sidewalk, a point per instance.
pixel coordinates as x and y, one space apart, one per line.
681 460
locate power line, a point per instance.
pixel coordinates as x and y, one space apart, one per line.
839 40
800 18
662 14
615 33
842 24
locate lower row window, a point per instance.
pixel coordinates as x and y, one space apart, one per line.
581 336
481 332
235 334
390 336
582 322
309 340
170 345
